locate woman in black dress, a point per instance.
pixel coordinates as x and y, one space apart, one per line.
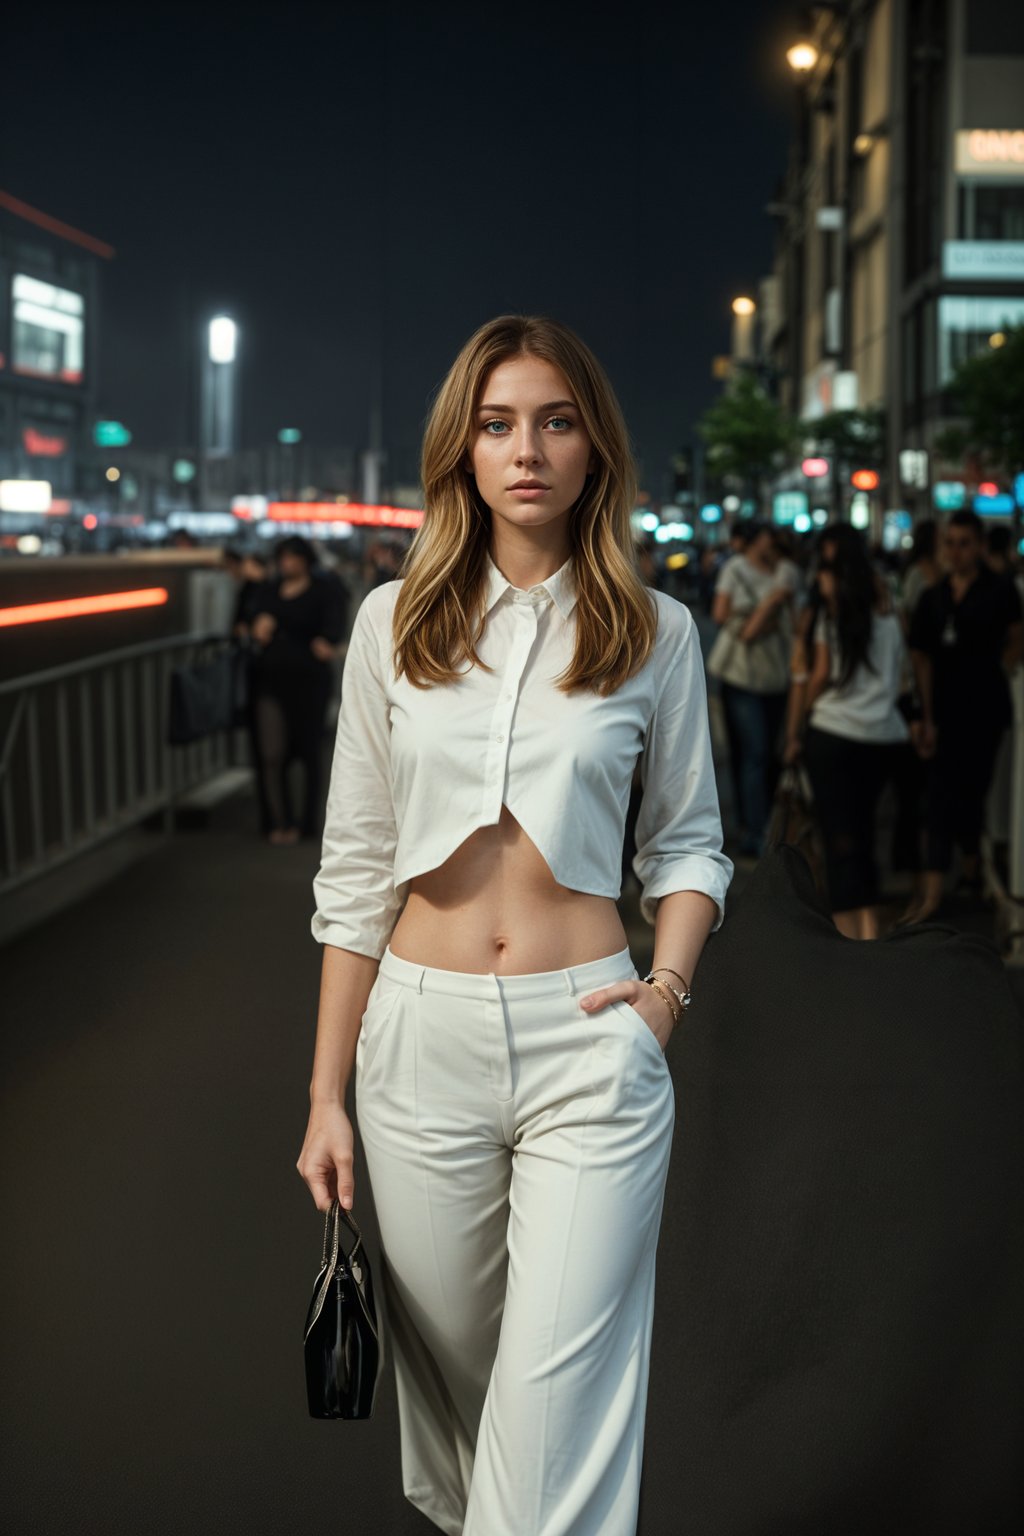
299 622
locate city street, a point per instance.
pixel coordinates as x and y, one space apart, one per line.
156 1053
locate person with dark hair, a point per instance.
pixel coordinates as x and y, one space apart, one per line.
750 659
922 569
854 725
299 622
249 569
998 545
965 635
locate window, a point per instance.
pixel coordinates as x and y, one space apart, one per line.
965 325
994 27
991 213
47 330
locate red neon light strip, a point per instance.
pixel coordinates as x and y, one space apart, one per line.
77 607
65 231
343 512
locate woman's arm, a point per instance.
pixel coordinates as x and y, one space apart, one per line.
819 678
357 906
763 618
799 677
326 1158
721 607
681 927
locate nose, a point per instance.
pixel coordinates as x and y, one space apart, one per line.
528 448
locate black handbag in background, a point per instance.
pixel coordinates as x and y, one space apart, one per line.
342 1339
202 699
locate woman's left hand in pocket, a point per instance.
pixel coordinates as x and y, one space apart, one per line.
642 998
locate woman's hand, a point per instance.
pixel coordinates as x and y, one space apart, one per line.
325 1161
640 996
263 626
322 649
924 737
792 750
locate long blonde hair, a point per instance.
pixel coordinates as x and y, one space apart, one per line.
440 607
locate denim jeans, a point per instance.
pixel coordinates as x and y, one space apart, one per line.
755 720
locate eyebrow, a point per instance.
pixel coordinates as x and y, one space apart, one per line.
552 405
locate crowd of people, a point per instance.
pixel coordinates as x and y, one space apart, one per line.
866 674
292 616
861 672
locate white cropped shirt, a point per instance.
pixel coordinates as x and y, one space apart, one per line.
416 771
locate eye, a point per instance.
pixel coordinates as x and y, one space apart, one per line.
495 423
561 423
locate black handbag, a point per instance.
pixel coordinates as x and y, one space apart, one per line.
201 701
342 1340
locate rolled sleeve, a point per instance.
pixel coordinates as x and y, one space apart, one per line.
357 904
679 825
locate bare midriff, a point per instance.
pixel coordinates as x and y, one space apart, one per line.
494 905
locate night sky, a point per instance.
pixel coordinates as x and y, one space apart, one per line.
354 182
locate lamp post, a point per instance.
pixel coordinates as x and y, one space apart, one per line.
744 311
218 406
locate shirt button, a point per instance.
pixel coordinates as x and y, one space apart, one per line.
499 738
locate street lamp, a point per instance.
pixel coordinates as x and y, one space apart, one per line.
223 339
802 57
218 406
743 312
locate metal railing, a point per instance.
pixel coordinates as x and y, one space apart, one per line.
84 753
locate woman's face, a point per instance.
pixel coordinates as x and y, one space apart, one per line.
529 450
826 573
291 565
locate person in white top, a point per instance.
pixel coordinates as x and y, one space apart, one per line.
750 658
514 1101
854 728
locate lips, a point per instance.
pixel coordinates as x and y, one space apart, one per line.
529 485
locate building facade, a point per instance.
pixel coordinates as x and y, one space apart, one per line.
900 220
49 337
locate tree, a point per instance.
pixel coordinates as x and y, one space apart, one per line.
746 430
987 391
855 438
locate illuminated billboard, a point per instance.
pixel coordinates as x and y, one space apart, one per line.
47 330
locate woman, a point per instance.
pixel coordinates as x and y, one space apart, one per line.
965 638
750 658
298 623
514 1101
854 727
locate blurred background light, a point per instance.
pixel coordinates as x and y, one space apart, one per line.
802 57
25 495
223 339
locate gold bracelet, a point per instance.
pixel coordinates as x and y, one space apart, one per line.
684 997
664 992
656 968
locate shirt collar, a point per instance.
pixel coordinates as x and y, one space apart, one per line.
560 587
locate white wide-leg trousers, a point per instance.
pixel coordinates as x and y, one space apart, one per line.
517 1150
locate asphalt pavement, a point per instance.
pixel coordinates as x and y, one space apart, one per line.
160 1245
